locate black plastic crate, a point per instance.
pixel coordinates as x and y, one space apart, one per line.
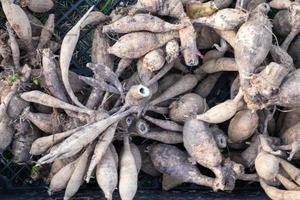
67 13
95 194
15 181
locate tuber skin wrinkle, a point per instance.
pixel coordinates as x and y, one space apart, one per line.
5 53
253 4
280 4
267 166
219 65
48 123
172 161
275 193
106 73
294 51
143 43
19 22
241 4
219 136
141 22
137 156
144 73
165 82
99 53
42 144
79 140
219 52
265 85
186 83
172 51
167 137
66 51
58 165
247 157
166 68
36 24
172 8
199 9
267 147
14 46
147 164
6 135
294 11
286 97
128 172
204 149
288 184
47 32
23 138
291 140
77 176
36 96
188 43
38 6
165 124
99 85
287 120
229 36
94 18
223 111
253 43
291 170
154 60
225 19
99 56
76 84
234 171
60 180
242 126
52 81
16 106
107 173
100 149
187 106
281 23
122 65
281 57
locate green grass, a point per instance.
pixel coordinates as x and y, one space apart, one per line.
13 78
105 6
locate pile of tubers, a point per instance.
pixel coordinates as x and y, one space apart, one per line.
148 106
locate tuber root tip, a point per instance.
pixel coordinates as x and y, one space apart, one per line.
143 91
